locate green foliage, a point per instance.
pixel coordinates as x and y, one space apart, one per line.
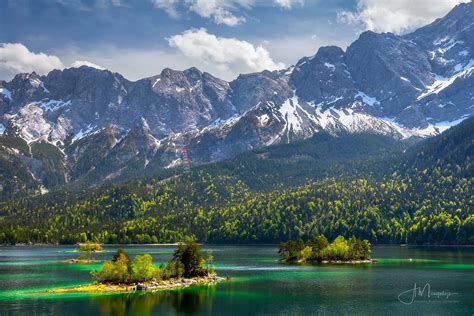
187 262
190 256
318 249
337 250
143 268
421 197
318 244
291 250
90 247
359 249
115 271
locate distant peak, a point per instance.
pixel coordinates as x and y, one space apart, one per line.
193 70
329 52
168 71
84 63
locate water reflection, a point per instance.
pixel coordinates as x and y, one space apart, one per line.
183 302
260 284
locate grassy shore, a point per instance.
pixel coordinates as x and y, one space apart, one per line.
170 284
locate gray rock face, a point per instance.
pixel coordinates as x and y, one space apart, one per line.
324 78
249 90
389 68
100 126
449 40
175 101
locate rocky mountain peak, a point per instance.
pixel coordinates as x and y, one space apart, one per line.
414 85
330 53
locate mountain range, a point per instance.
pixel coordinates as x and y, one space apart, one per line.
89 126
371 186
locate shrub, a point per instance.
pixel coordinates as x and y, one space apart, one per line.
291 249
143 268
305 253
116 271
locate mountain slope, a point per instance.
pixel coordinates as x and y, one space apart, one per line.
104 127
402 202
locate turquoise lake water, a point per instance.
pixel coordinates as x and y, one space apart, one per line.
259 285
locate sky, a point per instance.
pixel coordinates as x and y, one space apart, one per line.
139 38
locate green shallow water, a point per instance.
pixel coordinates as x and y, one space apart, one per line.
260 284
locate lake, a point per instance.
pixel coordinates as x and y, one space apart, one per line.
259 285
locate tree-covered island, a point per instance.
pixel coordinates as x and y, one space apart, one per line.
87 251
122 274
318 249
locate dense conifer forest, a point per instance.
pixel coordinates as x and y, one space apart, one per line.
377 189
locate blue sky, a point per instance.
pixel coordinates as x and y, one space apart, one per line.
224 37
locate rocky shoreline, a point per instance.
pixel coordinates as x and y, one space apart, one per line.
152 286
350 261
332 261
83 261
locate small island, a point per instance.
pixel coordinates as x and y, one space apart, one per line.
187 267
318 249
87 253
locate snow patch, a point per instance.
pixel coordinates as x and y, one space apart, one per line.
196 86
31 124
335 99
263 119
442 83
432 129
367 99
330 66
290 70
156 81
35 82
289 113
82 133
44 88
52 105
6 93
439 127
2 129
405 79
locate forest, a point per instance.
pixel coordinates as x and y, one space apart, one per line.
417 195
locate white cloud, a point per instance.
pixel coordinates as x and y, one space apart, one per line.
398 15
79 63
229 56
168 5
287 4
218 10
17 58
